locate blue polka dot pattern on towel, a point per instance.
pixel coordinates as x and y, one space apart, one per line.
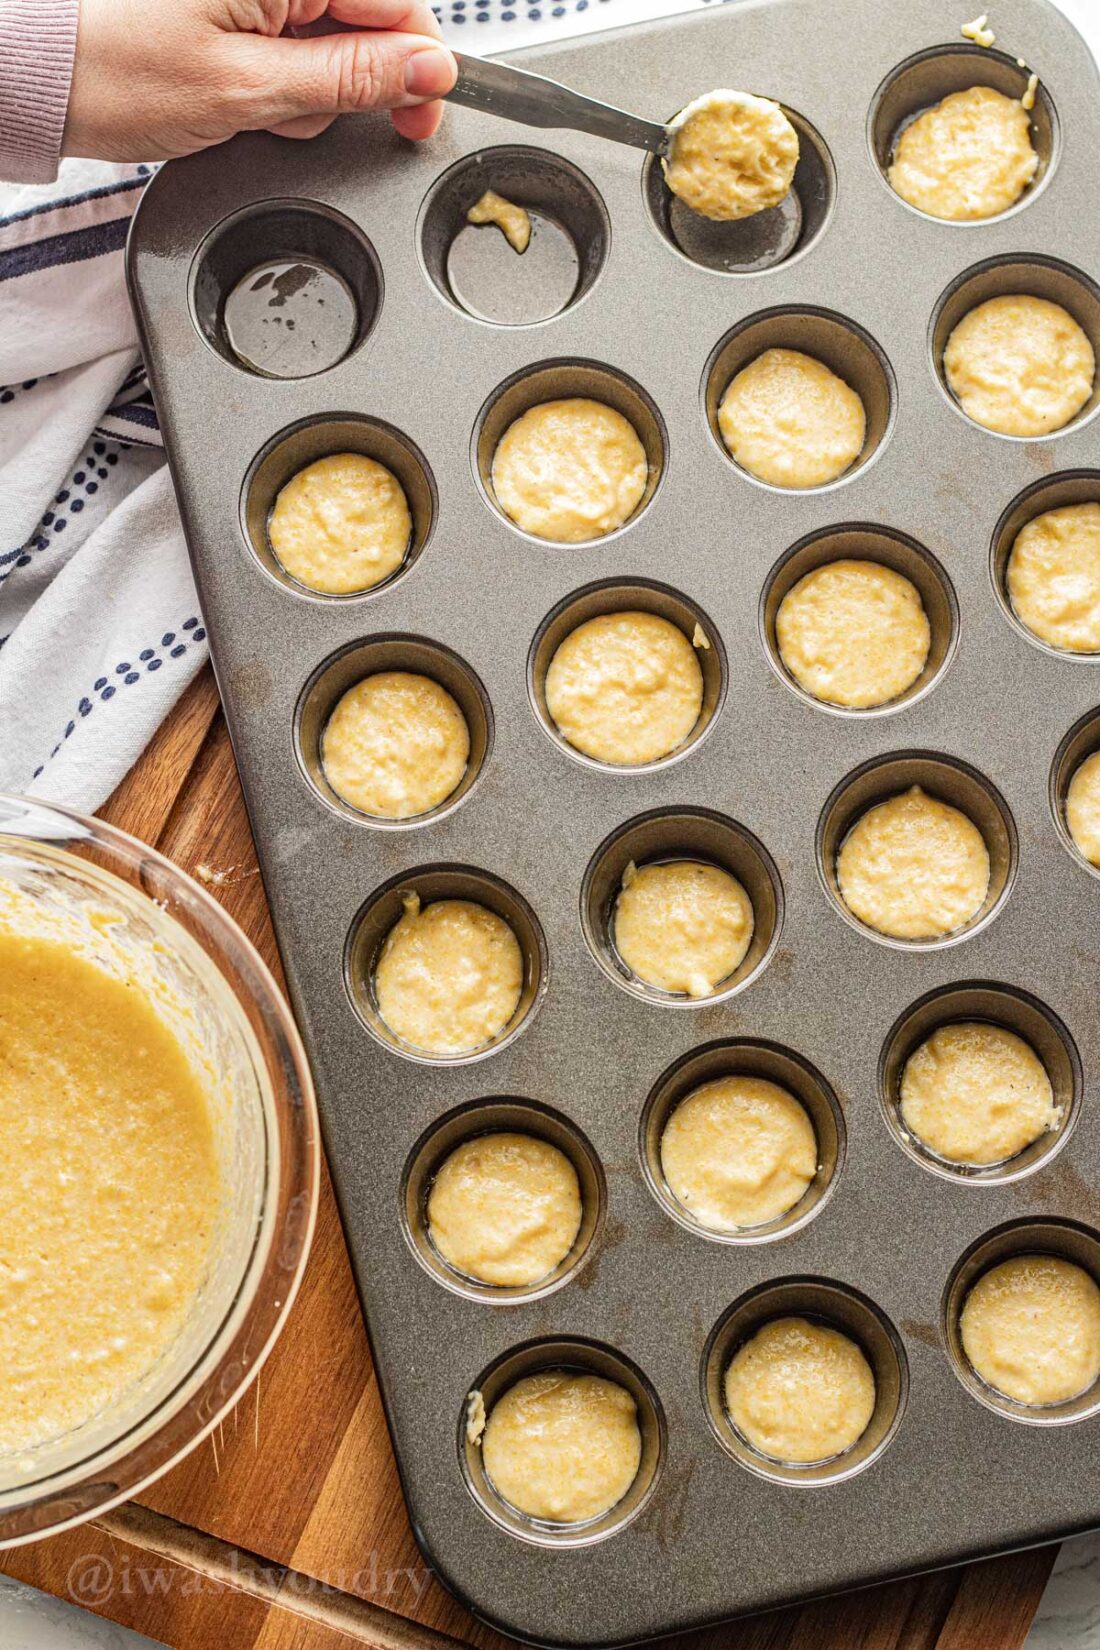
126 674
490 13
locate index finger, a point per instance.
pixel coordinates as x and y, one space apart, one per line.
409 16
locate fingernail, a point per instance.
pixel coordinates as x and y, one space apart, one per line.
429 73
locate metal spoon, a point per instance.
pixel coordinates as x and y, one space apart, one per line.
742 246
533 100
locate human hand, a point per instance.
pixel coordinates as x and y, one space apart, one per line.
158 78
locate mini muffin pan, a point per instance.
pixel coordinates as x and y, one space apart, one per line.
621 296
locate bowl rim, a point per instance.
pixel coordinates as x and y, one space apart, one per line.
241 1342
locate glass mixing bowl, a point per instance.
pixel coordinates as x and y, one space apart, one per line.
141 914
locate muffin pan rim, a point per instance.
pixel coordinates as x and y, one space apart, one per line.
503 1583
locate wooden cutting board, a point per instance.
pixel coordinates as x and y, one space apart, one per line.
287 1529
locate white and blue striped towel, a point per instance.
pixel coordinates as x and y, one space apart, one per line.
99 625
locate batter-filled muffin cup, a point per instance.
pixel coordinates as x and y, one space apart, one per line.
341 525
738 1152
562 1446
854 633
980 1081
791 421
449 976
626 688
970 156
446 963
561 1441
1083 808
570 470
975 1094
805 1381
1020 365
1053 577
800 1391
1030 1328
917 849
1021 1320
682 926
504 1208
799 398
396 745
913 867
502 1199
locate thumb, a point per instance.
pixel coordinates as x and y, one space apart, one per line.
344 73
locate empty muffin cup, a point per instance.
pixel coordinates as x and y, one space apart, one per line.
565 380
1065 1240
767 240
477 271
477 1120
377 654
849 352
746 1057
946 779
610 596
572 1356
305 442
926 78
285 289
865 542
990 1003
667 835
835 1306
1017 274
385 908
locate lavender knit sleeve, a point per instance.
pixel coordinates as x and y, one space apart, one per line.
37 46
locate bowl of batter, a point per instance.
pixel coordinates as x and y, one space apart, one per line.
1075 791
1014 344
446 964
1022 1321
626 675
569 452
682 907
162 1150
799 399
338 508
805 1380
1045 564
859 620
742 1141
503 1199
561 1441
917 849
980 1082
393 732
962 134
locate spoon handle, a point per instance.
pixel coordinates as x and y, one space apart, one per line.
531 99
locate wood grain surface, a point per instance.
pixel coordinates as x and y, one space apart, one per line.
287 1529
